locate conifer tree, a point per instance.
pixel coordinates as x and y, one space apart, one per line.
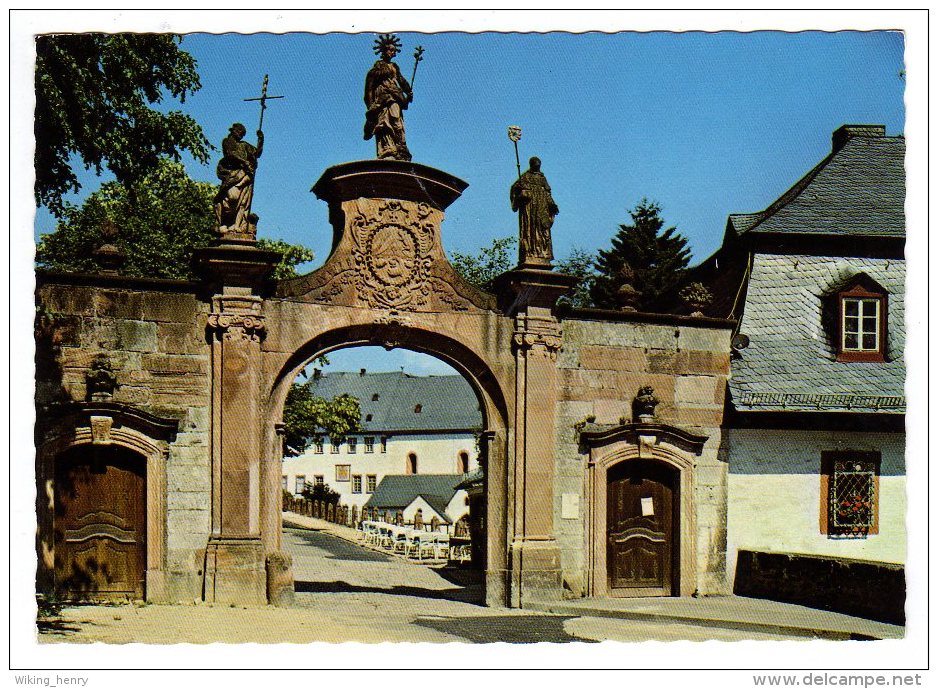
643 255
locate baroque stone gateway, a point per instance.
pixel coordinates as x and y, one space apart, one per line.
160 402
189 428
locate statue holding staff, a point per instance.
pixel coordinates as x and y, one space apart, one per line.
387 95
531 198
236 171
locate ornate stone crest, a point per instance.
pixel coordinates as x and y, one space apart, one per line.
391 247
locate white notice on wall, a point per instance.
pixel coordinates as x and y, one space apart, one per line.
648 507
569 506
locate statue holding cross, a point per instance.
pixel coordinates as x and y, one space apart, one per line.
237 171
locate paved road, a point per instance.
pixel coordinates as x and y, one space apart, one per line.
377 594
346 592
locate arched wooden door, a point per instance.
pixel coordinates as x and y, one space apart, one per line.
640 529
100 524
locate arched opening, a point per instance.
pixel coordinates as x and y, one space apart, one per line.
100 523
415 413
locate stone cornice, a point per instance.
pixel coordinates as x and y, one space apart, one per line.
157 427
596 435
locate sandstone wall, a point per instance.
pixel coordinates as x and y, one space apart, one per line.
155 342
601 368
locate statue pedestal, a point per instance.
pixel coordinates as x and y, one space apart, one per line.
529 286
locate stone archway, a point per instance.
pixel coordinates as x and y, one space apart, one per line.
494 435
387 282
613 448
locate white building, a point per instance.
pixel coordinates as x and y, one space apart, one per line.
815 422
409 425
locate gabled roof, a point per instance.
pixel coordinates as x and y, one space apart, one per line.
446 402
859 190
395 492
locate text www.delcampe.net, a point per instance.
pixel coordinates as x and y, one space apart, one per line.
834 680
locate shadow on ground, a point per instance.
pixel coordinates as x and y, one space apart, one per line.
512 629
469 595
55 627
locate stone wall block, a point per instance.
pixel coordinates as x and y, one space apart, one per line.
701 339
610 411
181 499
697 390
65 331
628 385
664 361
601 357
704 362
133 395
188 454
136 336
99 334
176 308
176 363
181 338
117 304
81 360
62 299
197 418
699 417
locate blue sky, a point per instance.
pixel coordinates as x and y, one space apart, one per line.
706 124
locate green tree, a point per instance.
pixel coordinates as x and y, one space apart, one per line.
159 225
651 260
93 93
581 264
306 416
482 268
320 491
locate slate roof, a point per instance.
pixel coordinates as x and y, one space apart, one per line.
446 402
395 492
790 363
857 190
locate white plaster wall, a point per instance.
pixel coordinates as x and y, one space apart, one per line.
458 506
774 494
436 454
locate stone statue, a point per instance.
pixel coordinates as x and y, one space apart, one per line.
530 197
387 95
236 171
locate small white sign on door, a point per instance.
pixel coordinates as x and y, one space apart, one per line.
648 507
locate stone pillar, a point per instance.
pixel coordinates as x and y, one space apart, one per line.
535 571
236 557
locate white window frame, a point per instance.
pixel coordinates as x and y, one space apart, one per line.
860 330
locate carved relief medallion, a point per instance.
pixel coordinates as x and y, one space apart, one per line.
391 247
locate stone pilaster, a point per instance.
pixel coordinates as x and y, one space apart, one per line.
535 571
236 557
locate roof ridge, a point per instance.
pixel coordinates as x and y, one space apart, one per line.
792 193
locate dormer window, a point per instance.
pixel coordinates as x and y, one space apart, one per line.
862 321
418 408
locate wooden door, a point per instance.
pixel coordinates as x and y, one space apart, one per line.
100 524
640 538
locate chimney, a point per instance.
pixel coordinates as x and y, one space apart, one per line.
362 372
842 135
317 374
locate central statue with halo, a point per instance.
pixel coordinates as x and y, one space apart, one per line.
387 95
